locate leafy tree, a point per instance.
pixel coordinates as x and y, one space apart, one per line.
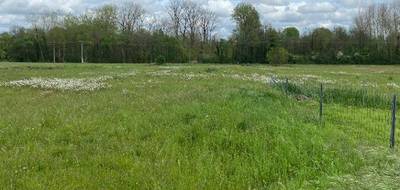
247 33
272 37
278 56
291 33
224 51
5 41
321 39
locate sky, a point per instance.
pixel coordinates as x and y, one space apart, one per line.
303 14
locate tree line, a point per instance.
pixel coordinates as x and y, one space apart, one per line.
126 33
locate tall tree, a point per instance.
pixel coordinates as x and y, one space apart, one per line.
130 17
247 33
175 13
291 37
207 24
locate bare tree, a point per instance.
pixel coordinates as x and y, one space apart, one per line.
207 24
175 10
192 13
46 21
130 16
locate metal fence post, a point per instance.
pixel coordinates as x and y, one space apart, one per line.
393 128
82 60
54 52
287 86
321 96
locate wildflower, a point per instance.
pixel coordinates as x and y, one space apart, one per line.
393 85
91 84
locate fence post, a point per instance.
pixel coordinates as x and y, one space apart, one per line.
287 86
321 96
393 128
54 52
82 60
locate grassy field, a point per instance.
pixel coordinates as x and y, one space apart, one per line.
103 126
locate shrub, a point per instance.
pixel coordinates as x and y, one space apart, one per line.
2 55
208 58
160 60
278 56
297 59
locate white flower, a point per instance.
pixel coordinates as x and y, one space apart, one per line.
393 85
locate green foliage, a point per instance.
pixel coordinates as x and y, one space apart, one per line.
278 56
291 33
273 37
247 34
321 39
160 60
248 23
224 51
2 55
208 58
105 40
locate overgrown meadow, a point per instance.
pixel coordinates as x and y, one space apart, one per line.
116 126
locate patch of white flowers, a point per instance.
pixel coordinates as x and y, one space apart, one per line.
344 73
61 84
183 76
393 85
368 84
66 84
255 77
326 81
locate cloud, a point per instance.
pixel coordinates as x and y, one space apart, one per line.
310 7
222 8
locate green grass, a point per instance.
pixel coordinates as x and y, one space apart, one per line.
192 127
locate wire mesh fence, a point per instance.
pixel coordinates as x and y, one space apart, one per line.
84 52
365 114
300 52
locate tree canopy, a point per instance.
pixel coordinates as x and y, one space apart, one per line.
127 33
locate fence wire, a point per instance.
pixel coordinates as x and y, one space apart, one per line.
365 114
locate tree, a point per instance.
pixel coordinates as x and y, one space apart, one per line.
192 13
207 24
5 42
272 37
130 17
175 13
291 33
278 56
341 39
321 39
291 37
247 33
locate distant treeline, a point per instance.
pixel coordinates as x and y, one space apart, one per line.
126 33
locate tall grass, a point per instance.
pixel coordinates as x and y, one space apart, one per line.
165 132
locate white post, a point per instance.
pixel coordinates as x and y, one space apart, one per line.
54 52
82 60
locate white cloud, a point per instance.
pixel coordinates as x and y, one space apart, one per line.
222 8
310 7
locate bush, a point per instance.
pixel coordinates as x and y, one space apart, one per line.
297 59
278 56
160 60
2 55
208 58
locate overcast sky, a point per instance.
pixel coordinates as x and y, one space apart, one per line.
304 14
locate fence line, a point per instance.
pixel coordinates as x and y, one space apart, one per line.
212 52
369 115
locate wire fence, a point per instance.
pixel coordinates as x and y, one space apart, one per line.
366 114
212 52
84 52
